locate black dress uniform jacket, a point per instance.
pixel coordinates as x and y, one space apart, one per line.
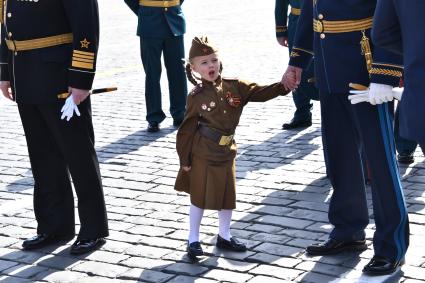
46 47
39 75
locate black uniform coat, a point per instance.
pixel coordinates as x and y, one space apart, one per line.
398 27
57 148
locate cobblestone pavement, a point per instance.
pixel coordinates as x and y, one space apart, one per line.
282 189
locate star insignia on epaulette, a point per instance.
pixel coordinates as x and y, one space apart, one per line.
85 43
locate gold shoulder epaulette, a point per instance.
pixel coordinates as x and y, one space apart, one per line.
197 89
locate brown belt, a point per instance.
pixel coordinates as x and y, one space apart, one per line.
214 135
323 26
22 45
295 11
159 3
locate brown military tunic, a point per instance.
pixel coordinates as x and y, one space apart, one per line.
217 106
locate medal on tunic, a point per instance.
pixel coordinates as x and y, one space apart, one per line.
233 100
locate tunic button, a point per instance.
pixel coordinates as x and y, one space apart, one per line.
221 99
320 17
224 111
165 9
9 34
9 15
322 36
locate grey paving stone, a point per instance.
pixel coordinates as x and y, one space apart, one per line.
5 264
100 269
188 279
276 271
145 275
186 269
227 276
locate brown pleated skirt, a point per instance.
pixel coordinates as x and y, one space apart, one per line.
211 184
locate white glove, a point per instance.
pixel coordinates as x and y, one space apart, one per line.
68 109
375 94
397 93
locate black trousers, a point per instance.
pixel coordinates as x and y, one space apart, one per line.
347 131
58 149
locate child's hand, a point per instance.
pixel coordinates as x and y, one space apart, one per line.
186 168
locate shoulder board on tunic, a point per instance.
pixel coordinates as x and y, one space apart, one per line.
230 78
197 89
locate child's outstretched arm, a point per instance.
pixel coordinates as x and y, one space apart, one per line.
258 93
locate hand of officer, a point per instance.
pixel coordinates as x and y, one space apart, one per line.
78 94
283 40
291 78
375 94
186 168
68 109
5 89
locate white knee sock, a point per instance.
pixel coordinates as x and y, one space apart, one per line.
195 217
224 218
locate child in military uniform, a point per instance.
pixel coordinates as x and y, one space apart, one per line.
205 143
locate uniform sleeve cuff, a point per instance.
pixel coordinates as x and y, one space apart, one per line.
386 74
300 57
281 31
80 79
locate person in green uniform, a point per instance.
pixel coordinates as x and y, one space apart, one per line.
205 143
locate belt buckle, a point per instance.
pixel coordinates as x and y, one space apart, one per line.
225 140
319 26
166 3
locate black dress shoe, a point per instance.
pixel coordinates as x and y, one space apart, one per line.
86 245
153 127
405 158
177 122
296 124
332 246
381 266
42 240
232 245
194 249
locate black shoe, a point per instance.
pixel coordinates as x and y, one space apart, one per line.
232 245
194 249
153 127
86 245
177 122
296 124
332 246
43 240
405 158
381 266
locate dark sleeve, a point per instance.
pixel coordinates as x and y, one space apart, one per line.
281 18
186 132
134 5
386 31
4 71
83 16
387 67
302 52
257 93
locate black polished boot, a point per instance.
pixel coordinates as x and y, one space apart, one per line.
332 246
43 240
381 266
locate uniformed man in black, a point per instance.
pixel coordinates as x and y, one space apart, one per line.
49 48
